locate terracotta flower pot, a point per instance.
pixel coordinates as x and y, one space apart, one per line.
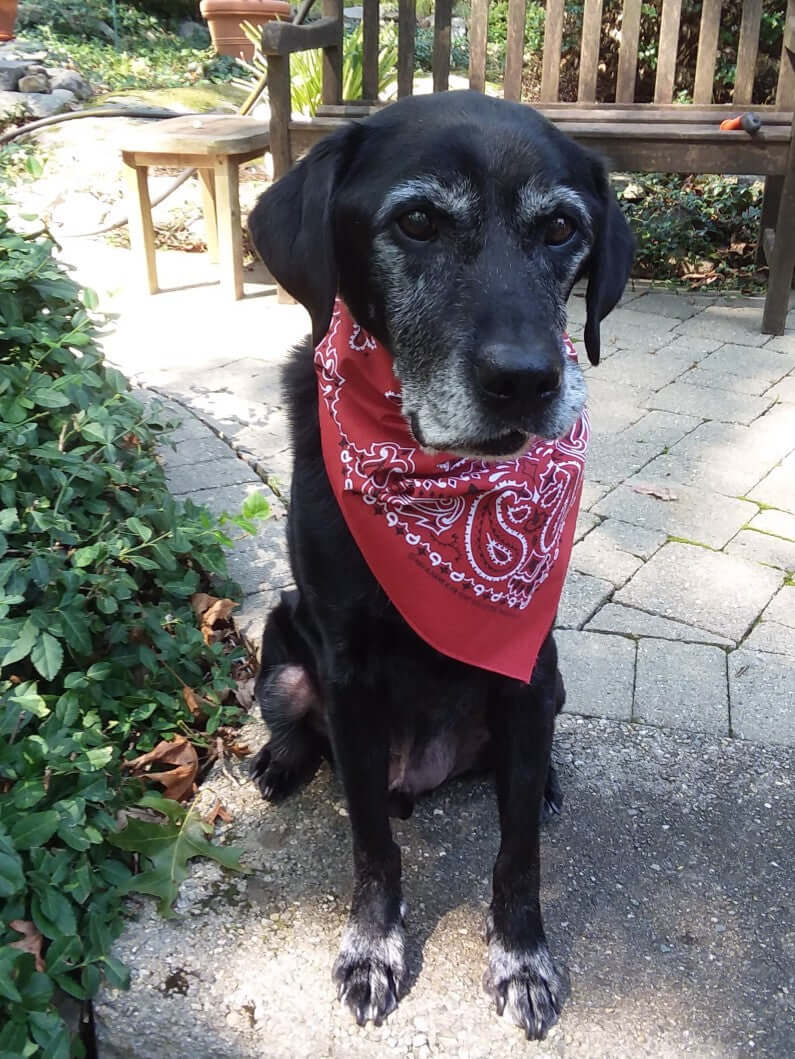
8 16
224 18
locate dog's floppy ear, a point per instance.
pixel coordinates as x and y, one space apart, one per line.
609 263
292 231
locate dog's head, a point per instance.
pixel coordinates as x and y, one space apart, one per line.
454 226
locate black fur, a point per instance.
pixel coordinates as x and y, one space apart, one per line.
341 671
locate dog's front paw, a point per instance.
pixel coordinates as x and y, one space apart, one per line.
369 972
527 985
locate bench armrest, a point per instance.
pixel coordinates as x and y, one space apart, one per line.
283 38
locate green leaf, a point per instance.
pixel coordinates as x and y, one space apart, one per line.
139 528
99 756
33 829
12 875
168 846
85 556
255 506
21 648
26 697
50 398
75 632
117 974
8 960
99 671
47 656
59 910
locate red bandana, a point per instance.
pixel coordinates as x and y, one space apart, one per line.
460 546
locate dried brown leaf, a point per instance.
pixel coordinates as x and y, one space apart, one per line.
31 941
178 782
244 693
200 601
240 749
218 812
192 701
659 492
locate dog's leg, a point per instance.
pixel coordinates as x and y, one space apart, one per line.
552 805
286 696
521 976
370 967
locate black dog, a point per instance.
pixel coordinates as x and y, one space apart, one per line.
453 227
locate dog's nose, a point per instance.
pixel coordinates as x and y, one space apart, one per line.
511 376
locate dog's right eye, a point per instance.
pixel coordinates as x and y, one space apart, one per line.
417 225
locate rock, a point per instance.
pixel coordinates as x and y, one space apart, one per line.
458 28
33 83
71 81
10 72
633 193
12 103
194 33
35 68
44 106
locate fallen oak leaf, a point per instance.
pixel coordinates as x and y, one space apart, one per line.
167 846
31 941
659 492
179 781
240 749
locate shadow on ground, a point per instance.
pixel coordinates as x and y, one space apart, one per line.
665 896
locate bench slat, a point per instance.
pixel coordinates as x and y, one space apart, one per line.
628 52
785 92
442 40
666 57
407 21
478 28
608 113
589 50
553 35
370 19
641 147
746 52
332 56
514 50
707 51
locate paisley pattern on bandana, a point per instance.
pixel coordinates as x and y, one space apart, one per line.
471 553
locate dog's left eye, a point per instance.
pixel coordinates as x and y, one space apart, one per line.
417 225
558 231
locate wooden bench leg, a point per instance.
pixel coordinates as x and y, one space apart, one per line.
139 210
207 182
770 207
782 260
230 233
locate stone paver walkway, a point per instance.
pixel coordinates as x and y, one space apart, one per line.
677 632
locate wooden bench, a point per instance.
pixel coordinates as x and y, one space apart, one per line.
658 135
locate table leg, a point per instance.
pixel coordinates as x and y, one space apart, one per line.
207 182
142 232
230 233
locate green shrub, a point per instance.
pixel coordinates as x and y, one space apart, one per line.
700 230
98 643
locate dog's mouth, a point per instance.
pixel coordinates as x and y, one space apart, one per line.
502 446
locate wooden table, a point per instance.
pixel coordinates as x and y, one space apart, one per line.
216 146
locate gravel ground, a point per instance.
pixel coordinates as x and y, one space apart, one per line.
665 894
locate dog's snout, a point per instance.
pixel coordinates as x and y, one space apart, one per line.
512 377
